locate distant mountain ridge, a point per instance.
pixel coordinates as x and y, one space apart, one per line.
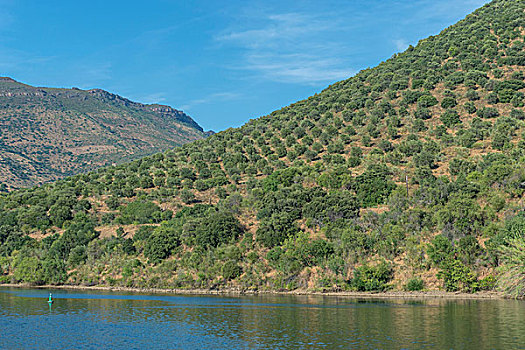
50 133
163 110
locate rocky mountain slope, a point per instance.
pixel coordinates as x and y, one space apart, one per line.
408 176
47 134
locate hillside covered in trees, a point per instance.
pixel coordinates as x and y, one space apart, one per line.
48 134
407 176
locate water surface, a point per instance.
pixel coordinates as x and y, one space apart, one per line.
98 319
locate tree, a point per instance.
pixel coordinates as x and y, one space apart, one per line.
274 230
187 196
448 102
161 243
77 255
374 185
28 269
231 270
216 228
461 216
53 271
440 250
450 118
113 203
59 213
427 101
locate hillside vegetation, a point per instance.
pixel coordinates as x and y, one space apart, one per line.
48 134
407 176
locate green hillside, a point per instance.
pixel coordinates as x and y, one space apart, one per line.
407 176
48 134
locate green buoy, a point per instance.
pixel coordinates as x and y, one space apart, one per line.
50 301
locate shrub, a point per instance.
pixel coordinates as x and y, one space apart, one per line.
330 207
79 233
201 185
472 95
460 166
511 279
457 277
422 113
140 212
440 250
372 278
517 114
461 216
500 138
143 233
59 213
488 112
53 271
414 284
107 218
127 246
113 203
354 162
487 283
470 107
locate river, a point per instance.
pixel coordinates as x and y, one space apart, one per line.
99 319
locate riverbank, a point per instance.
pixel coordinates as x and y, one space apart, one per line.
234 292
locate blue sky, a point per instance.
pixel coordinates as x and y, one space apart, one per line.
222 62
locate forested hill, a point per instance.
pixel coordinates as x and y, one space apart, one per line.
48 133
409 176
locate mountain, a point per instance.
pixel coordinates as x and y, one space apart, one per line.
48 134
407 176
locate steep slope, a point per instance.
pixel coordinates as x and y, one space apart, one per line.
409 175
48 134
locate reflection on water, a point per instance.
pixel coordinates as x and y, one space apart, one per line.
93 320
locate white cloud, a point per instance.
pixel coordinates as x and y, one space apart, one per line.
297 68
156 97
15 61
91 74
217 96
277 29
401 44
290 48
